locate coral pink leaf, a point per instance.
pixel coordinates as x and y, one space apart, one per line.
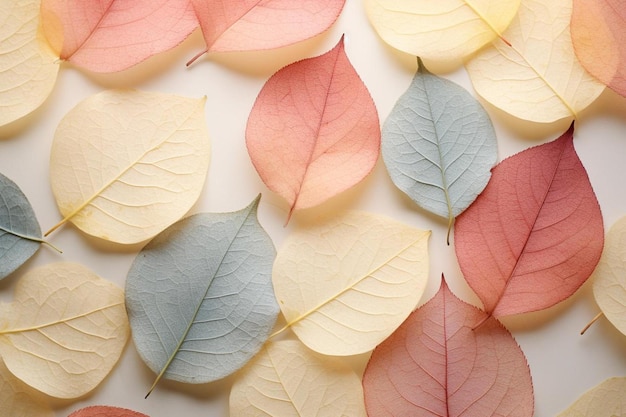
113 35
599 38
535 234
314 130
435 365
105 411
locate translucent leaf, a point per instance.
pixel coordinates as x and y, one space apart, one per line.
347 283
124 165
16 400
105 411
605 400
64 331
28 67
536 75
200 297
286 379
440 30
439 145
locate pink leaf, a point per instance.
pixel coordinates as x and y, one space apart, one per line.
436 365
535 234
113 35
314 130
105 411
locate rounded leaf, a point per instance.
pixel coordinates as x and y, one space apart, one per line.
605 400
16 400
105 411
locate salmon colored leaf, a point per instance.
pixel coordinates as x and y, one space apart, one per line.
17 400
105 411
535 75
124 165
604 400
313 131
435 365
28 67
440 30
533 237
599 38
286 379
200 296
247 25
64 331
113 35
346 283
439 145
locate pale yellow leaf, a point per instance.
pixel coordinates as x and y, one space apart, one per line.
125 165
344 285
537 77
28 66
17 400
440 30
64 330
288 380
604 400
609 277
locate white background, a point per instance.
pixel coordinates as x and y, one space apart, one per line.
563 363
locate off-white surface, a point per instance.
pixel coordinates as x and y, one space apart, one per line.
563 363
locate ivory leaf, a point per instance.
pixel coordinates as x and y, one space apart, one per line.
17 400
124 165
605 400
347 283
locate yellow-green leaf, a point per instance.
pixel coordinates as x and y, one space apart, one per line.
17 400
604 400
28 66
286 379
536 75
125 165
440 30
344 285
64 330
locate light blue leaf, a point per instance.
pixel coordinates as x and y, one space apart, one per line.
20 234
439 145
199 296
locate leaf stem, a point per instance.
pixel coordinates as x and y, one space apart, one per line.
600 314
195 58
482 321
33 239
56 226
279 331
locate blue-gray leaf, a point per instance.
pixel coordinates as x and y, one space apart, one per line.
199 296
20 234
439 145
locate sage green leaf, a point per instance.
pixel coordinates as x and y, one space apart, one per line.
200 298
439 145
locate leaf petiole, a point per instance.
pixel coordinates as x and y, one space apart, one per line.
593 320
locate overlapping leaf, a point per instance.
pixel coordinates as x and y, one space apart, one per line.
440 30
436 364
535 234
64 331
200 298
535 75
124 165
17 400
286 379
28 67
347 283
439 145
313 131
599 39
605 400
105 411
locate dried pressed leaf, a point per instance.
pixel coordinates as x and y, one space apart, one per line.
605 400
16 400
105 411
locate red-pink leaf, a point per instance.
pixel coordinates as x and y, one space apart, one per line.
314 130
436 365
535 234
113 35
105 411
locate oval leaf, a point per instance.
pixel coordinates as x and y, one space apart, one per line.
438 145
104 411
599 39
28 67
609 277
313 131
535 234
605 400
64 331
20 234
286 379
536 75
113 35
16 400
200 297
125 165
440 30
436 364
347 283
